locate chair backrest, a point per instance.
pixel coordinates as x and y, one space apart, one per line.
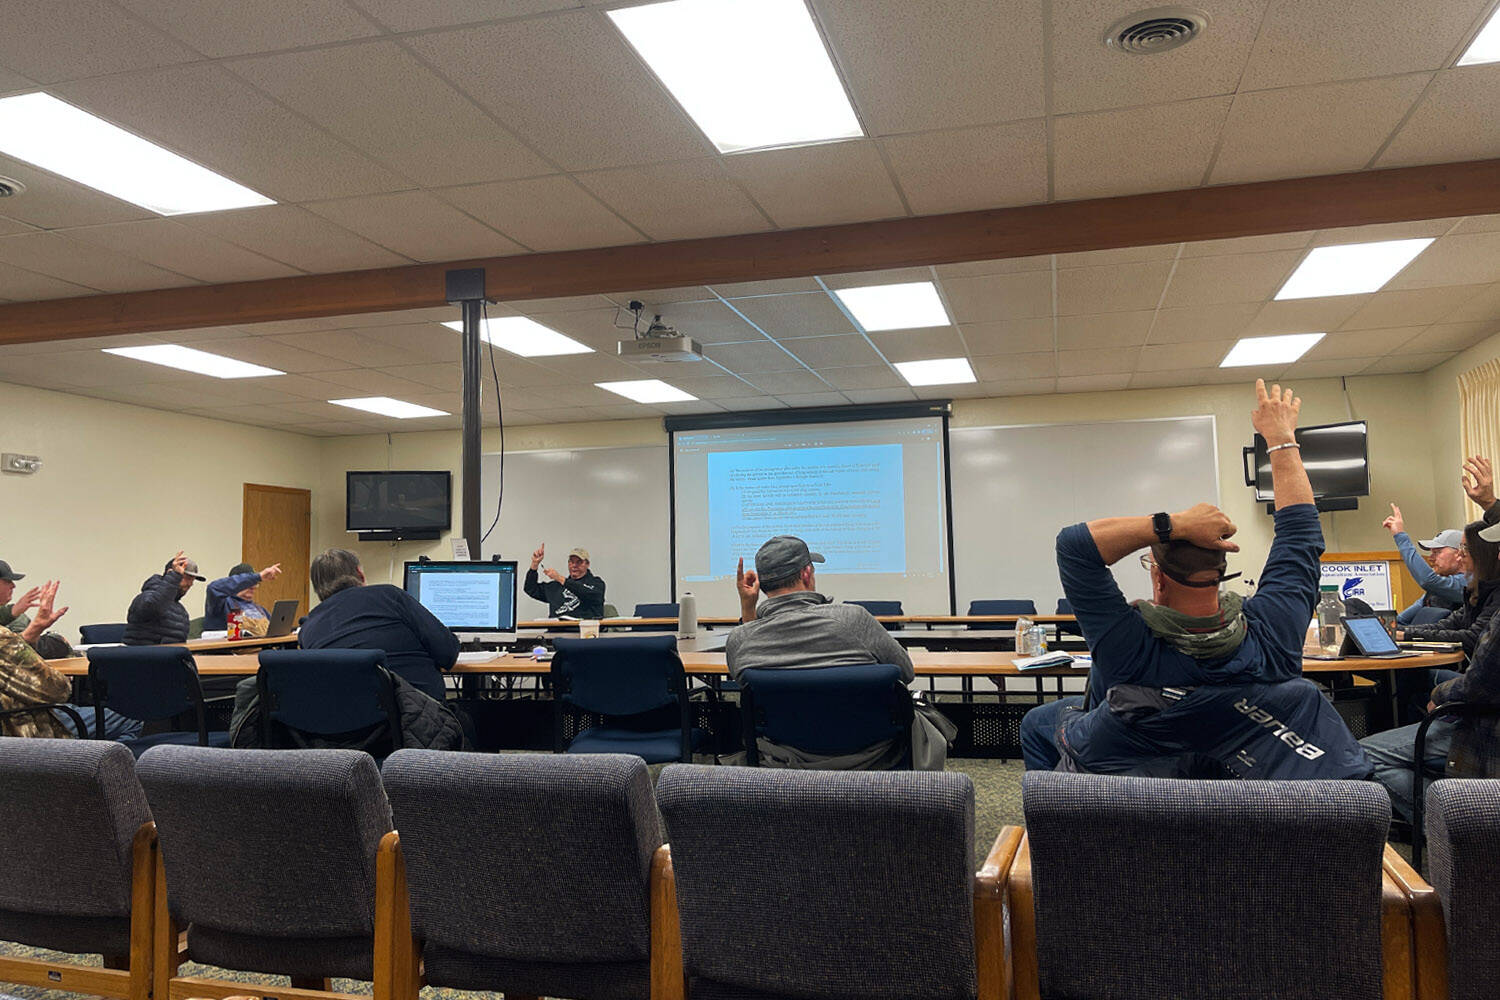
880 607
1151 887
564 844
1002 607
145 683
326 692
618 675
1463 831
1064 606
826 710
111 632
1426 616
656 610
823 884
72 808
268 843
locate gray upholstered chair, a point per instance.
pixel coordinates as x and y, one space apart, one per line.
821 884
269 859
1147 887
79 854
528 874
1463 830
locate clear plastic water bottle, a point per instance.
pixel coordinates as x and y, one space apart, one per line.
1330 610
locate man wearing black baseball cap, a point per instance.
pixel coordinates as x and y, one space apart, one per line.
1189 683
157 616
13 613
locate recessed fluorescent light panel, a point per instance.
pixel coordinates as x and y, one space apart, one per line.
895 307
190 360
1269 350
751 73
56 136
524 336
648 390
938 371
1486 45
388 407
1350 269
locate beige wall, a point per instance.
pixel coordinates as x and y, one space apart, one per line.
122 488
1453 508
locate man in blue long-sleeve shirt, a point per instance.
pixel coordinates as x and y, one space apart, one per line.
1162 668
1442 582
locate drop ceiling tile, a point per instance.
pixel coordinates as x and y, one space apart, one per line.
369 382
1247 244
544 213
1117 288
1453 260
256 416
879 395
1332 368
50 202
786 317
415 225
1383 231
823 185
833 352
570 86
201 335
278 327
677 201
992 298
1121 152
712 386
1454 121
1180 326
310 393
970 169
233 29
862 377
1118 255
962 62
1305 315
266 351
1374 38
13 227
1241 278
549 307
1011 367
1452 336
1197 354
11 83
425 343
919 345
20 285
1103 330
586 369
1479 224
600 329
295 236
706 322
784 383
777 286
696 406
655 297
1415 307
1008 265
1485 305
738 404
220 121
1361 343
888 276
1009 387
347 347
1397 363
67 39
1088 77
1093 383
814 399
379 99
70 260
93 368
1324 129
1019 336
171 245
334 428
1188 377
754 358
448 377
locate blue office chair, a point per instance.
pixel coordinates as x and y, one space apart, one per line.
882 608
999 607
90 634
1064 606
150 684
826 710
619 677
1429 616
310 693
655 611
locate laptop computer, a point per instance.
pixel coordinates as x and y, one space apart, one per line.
283 617
1368 638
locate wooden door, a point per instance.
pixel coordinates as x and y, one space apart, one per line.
278 529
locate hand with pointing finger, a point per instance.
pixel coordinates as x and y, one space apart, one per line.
1394 524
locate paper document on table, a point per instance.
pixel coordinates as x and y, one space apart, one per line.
478 656
1054 659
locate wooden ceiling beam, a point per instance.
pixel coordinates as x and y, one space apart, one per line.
1305 203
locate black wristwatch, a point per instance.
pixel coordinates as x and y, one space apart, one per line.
1161 523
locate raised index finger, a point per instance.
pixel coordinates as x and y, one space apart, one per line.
1260 390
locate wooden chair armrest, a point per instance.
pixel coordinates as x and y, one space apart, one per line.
668 978
1423 908
1020 907
398 955
991 954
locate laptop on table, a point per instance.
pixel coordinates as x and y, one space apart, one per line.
283 617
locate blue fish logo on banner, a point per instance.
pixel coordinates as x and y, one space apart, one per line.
1353 587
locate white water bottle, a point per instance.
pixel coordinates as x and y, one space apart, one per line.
687 616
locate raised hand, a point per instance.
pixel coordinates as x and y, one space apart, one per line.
1481 487
25 602
1206 526
179 562
271 572
1394 524
747 582
553 574
45 613
536 557
1275 416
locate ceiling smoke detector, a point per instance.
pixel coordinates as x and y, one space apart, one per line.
10 186
1147 32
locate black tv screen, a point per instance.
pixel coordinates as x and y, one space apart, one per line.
1336 456
391 501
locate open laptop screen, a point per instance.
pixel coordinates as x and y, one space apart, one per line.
1370 635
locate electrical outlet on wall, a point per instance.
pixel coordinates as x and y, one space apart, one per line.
23 464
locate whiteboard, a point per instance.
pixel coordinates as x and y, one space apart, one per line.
1015 487
611 501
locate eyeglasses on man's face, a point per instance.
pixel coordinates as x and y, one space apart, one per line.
1147 563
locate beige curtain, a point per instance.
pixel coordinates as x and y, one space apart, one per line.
1479 411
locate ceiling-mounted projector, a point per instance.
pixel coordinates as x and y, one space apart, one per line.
661 343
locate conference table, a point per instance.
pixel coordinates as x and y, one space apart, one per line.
711 621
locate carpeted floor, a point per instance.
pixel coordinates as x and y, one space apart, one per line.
997 802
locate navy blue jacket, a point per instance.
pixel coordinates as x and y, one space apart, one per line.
223 595
417 646
157 616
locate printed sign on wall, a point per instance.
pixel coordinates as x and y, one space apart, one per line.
1368 581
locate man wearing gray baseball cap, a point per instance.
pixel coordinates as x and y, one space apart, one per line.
157 616
1442 582
797 627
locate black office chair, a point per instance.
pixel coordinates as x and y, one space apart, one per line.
1474 753
110 632
308 696
881 608
655 611
634 682
150 684
1429 616
999 607
828 711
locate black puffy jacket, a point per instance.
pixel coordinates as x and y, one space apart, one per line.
156 615
1465 624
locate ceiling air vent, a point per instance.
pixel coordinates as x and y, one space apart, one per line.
10 186
1147 32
